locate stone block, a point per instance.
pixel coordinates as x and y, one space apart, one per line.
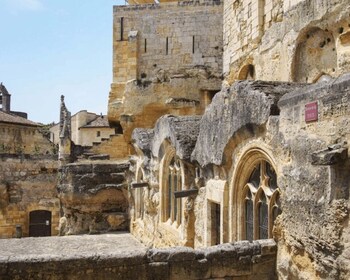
268 247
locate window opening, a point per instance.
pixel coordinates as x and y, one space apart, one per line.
174 182
192 44
121 28
263 219
262 182
249 220
145 45
215 223
166 46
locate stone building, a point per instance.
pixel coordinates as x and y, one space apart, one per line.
236 116
87 128
268 158
29 205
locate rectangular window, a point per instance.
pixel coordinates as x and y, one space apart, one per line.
215 223
121 28
192 44
167 46
145 45
98 133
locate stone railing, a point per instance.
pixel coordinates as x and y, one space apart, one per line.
240 260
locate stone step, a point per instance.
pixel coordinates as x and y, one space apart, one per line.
99 157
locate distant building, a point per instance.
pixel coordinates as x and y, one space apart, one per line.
28 172
87 128
18 134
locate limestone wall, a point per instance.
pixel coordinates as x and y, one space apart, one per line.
168 61
26 139
247 125
241 260
285 40
315 182
93 197
27 183
167 37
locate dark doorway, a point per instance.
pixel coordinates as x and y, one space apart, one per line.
215 224
39 223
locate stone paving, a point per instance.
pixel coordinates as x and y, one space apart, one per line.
69 246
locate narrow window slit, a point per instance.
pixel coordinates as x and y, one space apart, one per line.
145 45
192 44
167 46
121 28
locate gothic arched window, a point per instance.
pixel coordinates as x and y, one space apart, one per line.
173 184
261 202
139 196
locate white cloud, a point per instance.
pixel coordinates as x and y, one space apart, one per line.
32 5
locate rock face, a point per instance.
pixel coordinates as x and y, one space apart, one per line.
245 106
93 197
182 132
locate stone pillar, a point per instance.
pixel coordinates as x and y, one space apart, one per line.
65 143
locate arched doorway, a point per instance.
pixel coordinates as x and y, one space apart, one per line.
39 223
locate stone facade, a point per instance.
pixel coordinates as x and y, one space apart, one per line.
285 40
18 135
29 205
167 58
16 138
27 184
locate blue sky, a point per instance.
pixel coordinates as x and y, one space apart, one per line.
54 47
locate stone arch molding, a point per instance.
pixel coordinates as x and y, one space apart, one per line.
315 55
250 157
167 159
247 72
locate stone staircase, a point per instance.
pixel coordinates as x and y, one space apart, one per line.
113 148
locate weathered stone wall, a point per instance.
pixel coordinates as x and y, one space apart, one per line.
241 260
315 185
15 139
312 231
168 61
169 37
27 183
93 196
245 124
148 222
115 147
285 40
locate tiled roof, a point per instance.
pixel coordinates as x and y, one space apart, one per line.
100 121
10 118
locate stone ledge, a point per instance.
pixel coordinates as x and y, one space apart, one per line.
242 260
